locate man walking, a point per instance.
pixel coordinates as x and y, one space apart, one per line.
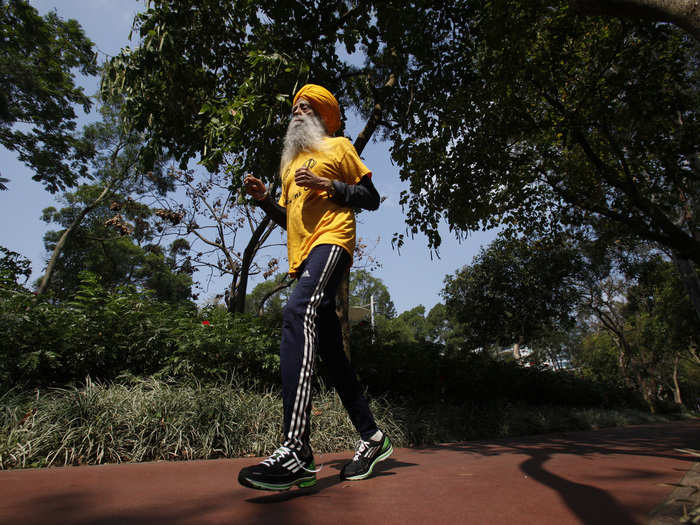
323 179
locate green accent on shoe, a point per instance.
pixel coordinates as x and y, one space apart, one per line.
309 481
379 458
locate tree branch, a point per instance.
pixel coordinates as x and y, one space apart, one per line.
683 13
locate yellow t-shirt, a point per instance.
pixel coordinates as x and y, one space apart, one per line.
312 218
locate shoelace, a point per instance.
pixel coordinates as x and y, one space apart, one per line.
361 446
312 470
279 454
283 451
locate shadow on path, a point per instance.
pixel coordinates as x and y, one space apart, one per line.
384 468
588 503
76 508
591 504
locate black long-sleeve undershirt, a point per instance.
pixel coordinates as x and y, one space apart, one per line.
361 195
276 212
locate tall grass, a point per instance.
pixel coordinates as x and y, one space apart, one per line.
151 419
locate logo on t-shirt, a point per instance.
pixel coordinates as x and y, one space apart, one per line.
309 164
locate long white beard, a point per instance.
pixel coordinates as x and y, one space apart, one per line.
304 133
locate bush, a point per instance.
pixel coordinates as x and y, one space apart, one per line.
425 373
103 334
220 344
150 419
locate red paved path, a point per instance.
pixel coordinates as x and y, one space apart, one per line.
610 476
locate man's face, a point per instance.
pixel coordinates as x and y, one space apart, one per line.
301 110
305 131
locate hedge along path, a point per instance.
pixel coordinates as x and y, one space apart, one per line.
151 419
154 420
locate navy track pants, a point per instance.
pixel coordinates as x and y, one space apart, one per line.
310 325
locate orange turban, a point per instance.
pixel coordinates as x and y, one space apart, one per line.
324 103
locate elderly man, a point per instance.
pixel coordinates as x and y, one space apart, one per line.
323 179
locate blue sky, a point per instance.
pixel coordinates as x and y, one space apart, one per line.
411 276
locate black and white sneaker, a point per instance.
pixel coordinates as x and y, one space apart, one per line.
285 468
367 454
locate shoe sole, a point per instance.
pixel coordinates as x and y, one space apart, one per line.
381 457
259 485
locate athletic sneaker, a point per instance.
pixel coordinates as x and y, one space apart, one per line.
285 468
367 454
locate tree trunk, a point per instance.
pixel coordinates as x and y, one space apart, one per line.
693 350
259 235
342 309
624 358
62 241
676 387
516 347
648 396
230 294
683 13
647 387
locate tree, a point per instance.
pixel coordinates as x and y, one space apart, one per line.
38 92
635 364
662 322
444 329
543 130
408 327
511 114
550 119
269 297
113 165
363 286
634 306
107 230
12 267
216 215
683 13
592 116
122 249
514 290
596 357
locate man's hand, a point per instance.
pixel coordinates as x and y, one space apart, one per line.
305 178
255 188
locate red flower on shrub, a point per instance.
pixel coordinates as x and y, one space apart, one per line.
206 323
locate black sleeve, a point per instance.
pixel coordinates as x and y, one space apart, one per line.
361 195
276 212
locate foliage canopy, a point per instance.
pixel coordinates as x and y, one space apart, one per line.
38 92
516 114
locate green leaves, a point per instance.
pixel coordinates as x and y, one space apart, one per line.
515 114
37 87
514 291
103 333
199 85
531 115
13 266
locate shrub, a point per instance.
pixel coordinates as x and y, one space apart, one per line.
150 419
425 373
103 334
218 343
